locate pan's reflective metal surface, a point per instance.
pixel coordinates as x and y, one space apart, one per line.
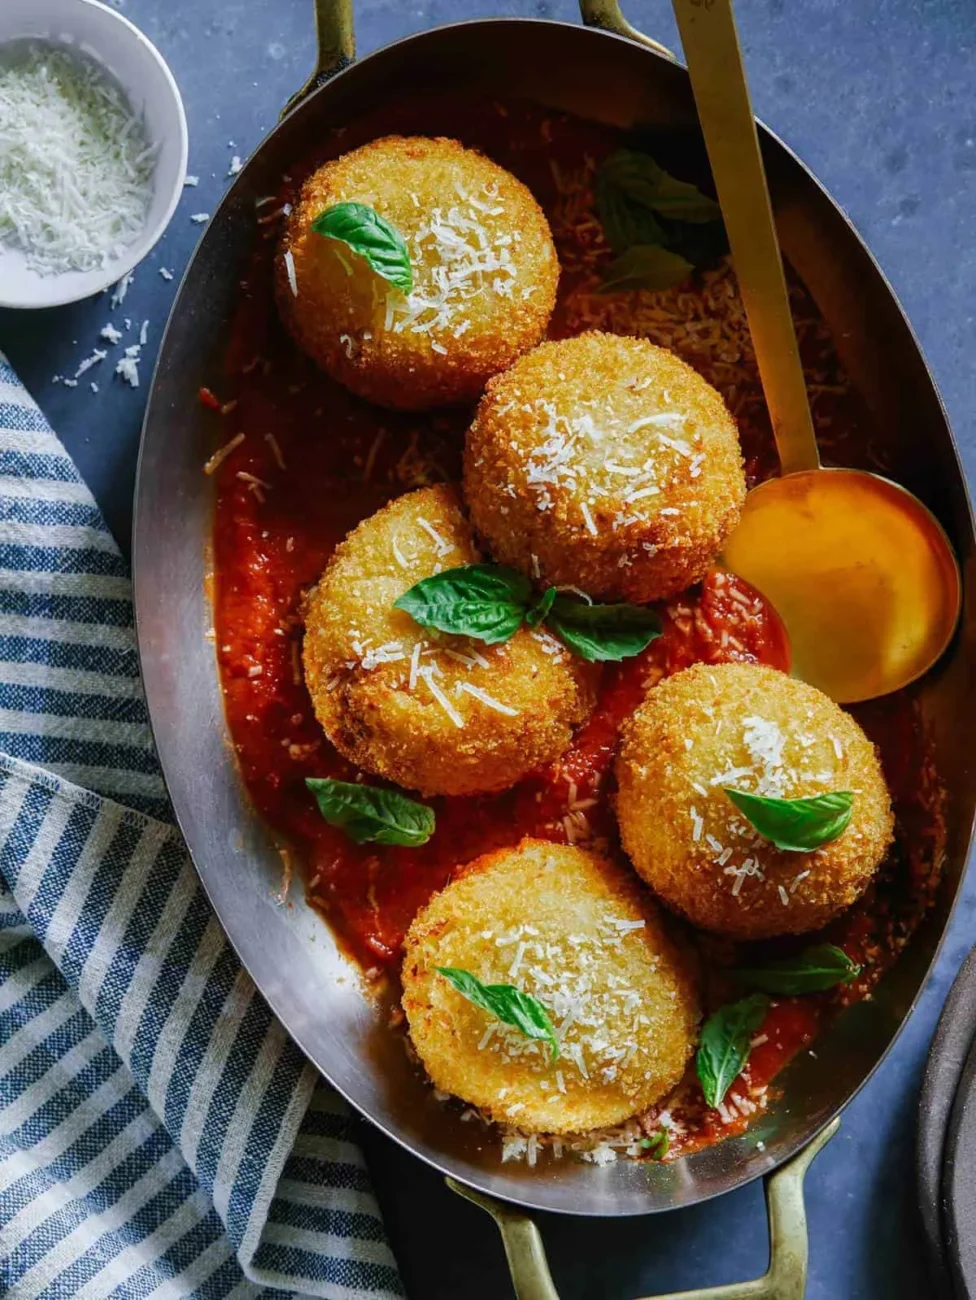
288 950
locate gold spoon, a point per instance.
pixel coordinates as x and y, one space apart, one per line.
860 571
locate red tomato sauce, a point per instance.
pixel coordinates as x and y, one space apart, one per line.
313 462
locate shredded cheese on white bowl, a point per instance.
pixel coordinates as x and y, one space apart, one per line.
55 140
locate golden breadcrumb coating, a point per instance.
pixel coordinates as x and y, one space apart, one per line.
436 713
484 266
605 463
581 935
749 728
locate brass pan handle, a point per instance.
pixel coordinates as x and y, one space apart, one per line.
785 1279
607 15
335 44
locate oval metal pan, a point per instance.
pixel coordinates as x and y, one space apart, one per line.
288 950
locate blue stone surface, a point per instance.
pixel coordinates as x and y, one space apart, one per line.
880 101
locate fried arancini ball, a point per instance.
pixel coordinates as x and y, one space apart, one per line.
579 934
436 713
750 728
484 274
607 464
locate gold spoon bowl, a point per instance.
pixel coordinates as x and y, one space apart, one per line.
861 573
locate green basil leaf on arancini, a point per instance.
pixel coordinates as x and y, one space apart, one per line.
541 608
603 633
820 967
506 1003
370 236
368 814
490 602
484 601
796 825
725 1043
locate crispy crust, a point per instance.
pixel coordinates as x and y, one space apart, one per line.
645 1007
690 729
339 315
638 549
372 715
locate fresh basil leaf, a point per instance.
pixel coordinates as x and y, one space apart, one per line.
645 267
701 243
725 1044
658 1145
490 602
506 1003
485 601
642 207
642 180
682 201
371 237
603 633
624 221
818 968
541 608
368 814
796 825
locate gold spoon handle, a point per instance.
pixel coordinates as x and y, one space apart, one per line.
718 79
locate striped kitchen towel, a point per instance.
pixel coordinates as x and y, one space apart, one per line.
159 1133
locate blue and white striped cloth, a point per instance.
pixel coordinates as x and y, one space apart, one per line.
159 1133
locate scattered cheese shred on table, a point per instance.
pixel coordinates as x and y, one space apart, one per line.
75 167
128 366
120 290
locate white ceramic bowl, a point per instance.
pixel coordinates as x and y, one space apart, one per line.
136 64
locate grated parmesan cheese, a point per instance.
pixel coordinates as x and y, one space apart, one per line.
99 354
127 367
272 442
426 675
441 546
459 259
398 554
120 290
76 167
219 456
488 700
390 652
290 269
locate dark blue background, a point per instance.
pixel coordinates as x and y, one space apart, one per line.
880 99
